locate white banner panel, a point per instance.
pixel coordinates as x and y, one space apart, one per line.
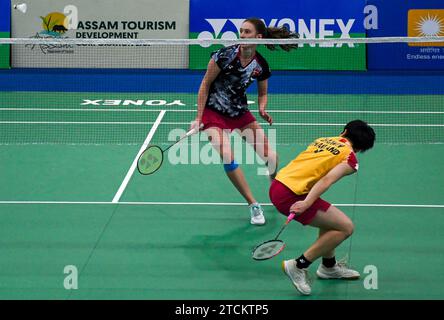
101 19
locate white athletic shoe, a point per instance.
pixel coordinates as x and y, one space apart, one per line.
257 214
299 277
338 271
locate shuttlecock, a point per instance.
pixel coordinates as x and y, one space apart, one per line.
21 7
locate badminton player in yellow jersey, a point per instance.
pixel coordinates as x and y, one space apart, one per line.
298 187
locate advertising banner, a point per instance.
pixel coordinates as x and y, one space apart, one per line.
414 18
5 24
101 19
311 19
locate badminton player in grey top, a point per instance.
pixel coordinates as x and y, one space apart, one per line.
222 104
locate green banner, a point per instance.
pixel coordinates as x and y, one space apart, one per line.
4 52
342 57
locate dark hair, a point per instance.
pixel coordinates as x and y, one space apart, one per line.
274 33
360 134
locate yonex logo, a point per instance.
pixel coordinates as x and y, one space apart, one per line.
151 160
217 25
314 28
269 248
127 102
266 250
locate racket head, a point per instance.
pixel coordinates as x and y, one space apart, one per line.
150 160
268 249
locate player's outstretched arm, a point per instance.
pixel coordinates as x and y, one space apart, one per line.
212 71
341 170
263 99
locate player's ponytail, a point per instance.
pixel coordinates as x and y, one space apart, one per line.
274 33
281 33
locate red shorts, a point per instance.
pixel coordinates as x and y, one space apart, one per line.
283 198
211 118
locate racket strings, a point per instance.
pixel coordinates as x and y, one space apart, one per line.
268 249
150 160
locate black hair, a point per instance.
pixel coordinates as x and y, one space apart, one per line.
274 33
360 134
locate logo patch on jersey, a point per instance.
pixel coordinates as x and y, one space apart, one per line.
256 72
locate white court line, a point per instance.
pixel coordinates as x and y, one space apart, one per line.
134 164
371 124
193 110
187 123
135 203
75 122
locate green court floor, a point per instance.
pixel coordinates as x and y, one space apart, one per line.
184 233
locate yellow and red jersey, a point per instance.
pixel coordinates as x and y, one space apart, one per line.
315 162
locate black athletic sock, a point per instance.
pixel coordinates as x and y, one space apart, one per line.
302 262
329 262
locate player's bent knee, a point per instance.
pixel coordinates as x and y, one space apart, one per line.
231 166
348 229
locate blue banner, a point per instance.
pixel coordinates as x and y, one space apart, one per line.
289 12
413 18
311 19
5 16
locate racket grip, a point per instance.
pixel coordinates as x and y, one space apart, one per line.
194 130
290 217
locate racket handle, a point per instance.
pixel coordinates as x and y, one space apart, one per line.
290 217
194 130
189 133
